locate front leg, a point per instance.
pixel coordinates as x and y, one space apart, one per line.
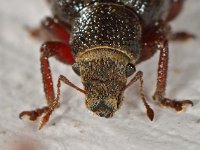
49 49
159 95
155 39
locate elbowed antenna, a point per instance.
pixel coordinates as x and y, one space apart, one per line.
139 74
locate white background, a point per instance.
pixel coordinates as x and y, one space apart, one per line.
72 126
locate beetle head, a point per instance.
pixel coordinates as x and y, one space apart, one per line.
104 79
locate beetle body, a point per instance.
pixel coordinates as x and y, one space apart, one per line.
107 39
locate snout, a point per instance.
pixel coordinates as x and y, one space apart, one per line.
103 110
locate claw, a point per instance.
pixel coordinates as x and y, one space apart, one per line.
33 115
177 105
188 102
22 114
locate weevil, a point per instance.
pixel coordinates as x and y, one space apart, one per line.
104 40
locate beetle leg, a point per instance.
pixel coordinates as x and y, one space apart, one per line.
61 50
175 9
181 36
52 29
155 39
159 95
55 103
48 50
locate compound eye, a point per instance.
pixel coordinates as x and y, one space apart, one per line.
130 69
76 68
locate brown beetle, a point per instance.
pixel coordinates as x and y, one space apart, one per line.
104 40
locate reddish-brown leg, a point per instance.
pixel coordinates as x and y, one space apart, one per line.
157 40
52 104
181 36
176 7
52 29
48 50
159 95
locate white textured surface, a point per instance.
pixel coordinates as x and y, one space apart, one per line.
76 128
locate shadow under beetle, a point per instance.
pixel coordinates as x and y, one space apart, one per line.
104 40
